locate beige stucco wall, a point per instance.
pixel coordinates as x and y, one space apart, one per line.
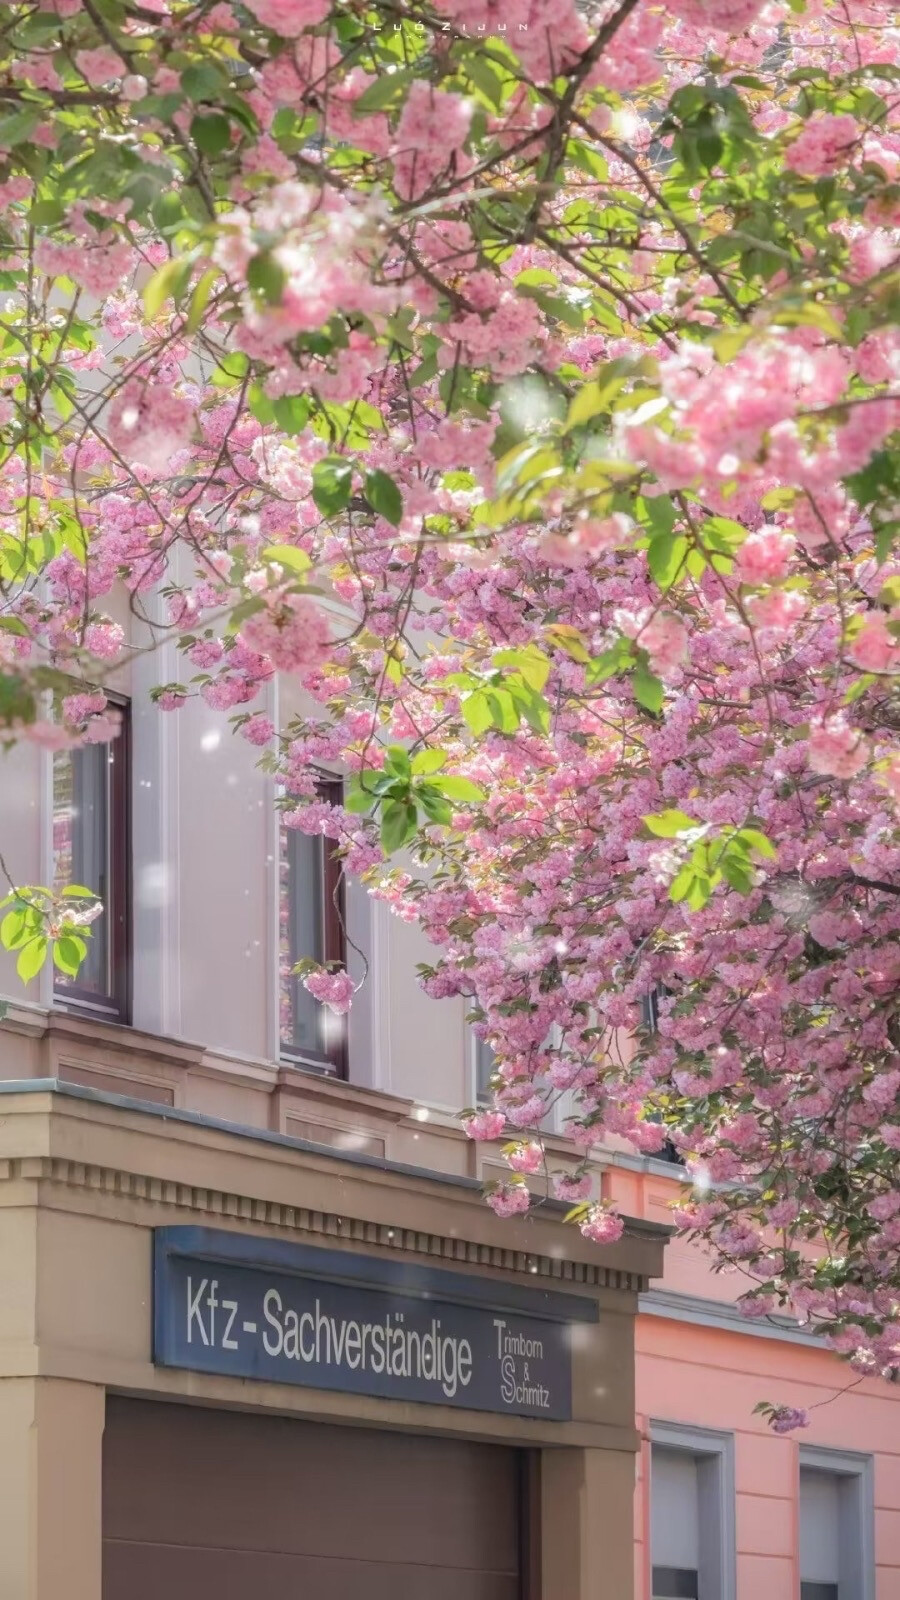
83 1184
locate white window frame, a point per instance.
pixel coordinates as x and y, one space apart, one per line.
714 1453
856 1490
472 1043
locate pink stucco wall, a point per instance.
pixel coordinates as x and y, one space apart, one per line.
713 1377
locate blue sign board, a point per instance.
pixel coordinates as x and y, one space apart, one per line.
283 1313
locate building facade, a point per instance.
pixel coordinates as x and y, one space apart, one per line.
221 1213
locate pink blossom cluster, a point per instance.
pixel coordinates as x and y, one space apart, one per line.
291 630
334 989
825 145
148 424
509 1199
289 17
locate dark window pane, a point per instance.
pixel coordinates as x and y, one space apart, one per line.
92 848
81 852
675 1583
819 1591
310 926
484 1069
650 1010
302 934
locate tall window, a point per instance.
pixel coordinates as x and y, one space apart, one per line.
650 1020
675 1523
311 925
691 1514
836 1518
92 848
485 1066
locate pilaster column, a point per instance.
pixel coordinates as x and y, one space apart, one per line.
587 1534
51 1440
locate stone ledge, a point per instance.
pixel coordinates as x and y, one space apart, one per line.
56 1172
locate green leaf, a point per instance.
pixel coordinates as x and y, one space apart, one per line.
611 662
885 534
398 825
503 711
529 704
659 511
45 213
648 689
332 485
358 800
200 299
857 689
211 133
476 711
485 79
699 892
384 497
594 398
287 555
14 929
456 788
758 842
397 761
79 892
737 875
231 370
291 412
530 662
564 637
666 557
261 407
32 959
428 761
19 126
240 613
710 148
681 884
266 277
168 281
17 702
202 82
435 806
385 91
668 824
68 954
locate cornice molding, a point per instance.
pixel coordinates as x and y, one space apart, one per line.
63 1173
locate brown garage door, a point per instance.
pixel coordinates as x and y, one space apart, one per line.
223 1505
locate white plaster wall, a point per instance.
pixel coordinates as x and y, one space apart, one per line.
224 806
205 842
24 771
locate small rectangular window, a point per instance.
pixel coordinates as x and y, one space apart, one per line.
692 1546
92 847
675 1529
836 1519
311 924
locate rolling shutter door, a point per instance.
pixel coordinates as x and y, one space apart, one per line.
203 1504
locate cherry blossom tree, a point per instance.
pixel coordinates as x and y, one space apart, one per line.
525 378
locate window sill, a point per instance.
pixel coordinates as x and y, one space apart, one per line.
307 1079
67 1025
320 1069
